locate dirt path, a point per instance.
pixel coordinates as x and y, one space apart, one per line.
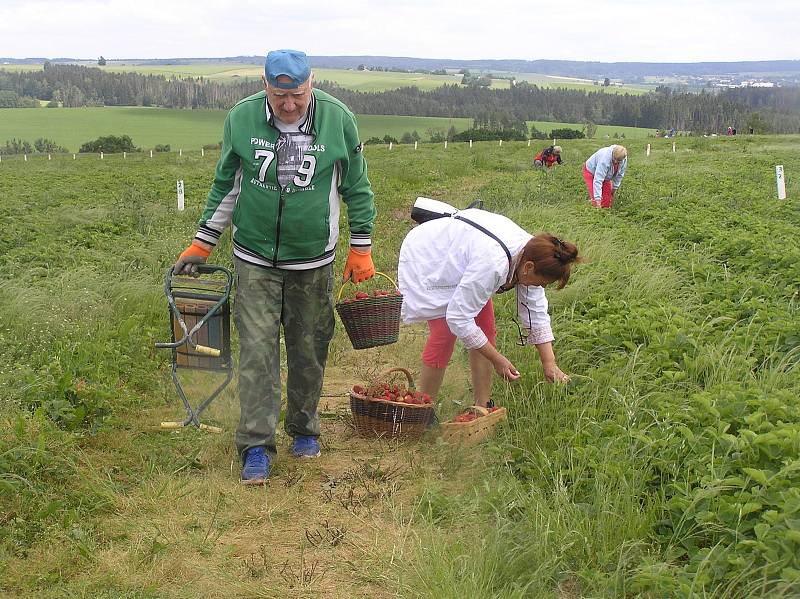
335 527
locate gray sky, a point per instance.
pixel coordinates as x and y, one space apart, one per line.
614 30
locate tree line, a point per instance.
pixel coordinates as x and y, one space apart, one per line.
778 109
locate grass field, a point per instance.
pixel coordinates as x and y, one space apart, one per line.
588 85
667 467
191 129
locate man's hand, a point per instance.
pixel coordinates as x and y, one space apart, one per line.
359 265
191 257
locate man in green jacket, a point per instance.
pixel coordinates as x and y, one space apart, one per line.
289 153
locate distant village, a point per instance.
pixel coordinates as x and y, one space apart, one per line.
727 81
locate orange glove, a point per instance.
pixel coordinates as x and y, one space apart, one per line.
189 259
359 265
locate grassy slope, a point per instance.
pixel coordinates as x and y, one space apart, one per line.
563 505
191 129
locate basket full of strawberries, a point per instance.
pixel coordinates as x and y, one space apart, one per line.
389 409
371 319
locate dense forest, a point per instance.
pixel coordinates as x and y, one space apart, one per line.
774 110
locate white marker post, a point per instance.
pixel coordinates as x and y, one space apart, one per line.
501 142
529 143
73 156
25 156
554 141
124 155
415 145
101 155
180 153
673 147
202 151
445 144
648 149
470 143
390 145
780 180
49 157
180 195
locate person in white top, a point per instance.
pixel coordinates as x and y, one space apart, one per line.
603 173
448 271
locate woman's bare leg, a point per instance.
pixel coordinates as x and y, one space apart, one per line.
430 379
481 370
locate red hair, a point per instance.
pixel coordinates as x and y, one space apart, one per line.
551 257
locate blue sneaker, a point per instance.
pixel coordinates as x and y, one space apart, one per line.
256 466
305 446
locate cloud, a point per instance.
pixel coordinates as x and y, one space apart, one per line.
618 30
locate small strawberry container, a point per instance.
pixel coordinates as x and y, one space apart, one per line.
372 319
473 426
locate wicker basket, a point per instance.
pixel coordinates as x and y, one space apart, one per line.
372 321
390 419
475 431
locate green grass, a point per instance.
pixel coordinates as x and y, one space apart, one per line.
666 468
72 127
588 85
191 129
375 81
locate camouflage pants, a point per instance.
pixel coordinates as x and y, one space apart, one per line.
302 302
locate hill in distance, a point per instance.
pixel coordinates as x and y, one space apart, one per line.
568 68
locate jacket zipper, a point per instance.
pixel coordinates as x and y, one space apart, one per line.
280 201
278 230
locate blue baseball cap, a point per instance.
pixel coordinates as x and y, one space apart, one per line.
291 63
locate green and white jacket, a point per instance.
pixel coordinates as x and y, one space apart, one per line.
295 227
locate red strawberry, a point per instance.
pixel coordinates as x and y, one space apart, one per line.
361 295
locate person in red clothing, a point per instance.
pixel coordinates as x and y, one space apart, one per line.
548 157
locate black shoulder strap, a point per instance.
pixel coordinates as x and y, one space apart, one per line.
496 238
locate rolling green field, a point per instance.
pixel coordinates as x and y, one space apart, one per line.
669 466
587 85
191 129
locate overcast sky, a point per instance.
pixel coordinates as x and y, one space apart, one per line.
608 31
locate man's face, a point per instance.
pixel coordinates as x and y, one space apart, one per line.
289 105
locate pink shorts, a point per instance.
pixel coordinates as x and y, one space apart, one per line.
608 194
441 341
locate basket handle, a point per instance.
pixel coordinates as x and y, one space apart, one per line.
479 410
339 297
405 371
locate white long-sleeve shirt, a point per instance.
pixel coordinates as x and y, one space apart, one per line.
449 269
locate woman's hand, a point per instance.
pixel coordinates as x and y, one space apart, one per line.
551 370
553 374
505 368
